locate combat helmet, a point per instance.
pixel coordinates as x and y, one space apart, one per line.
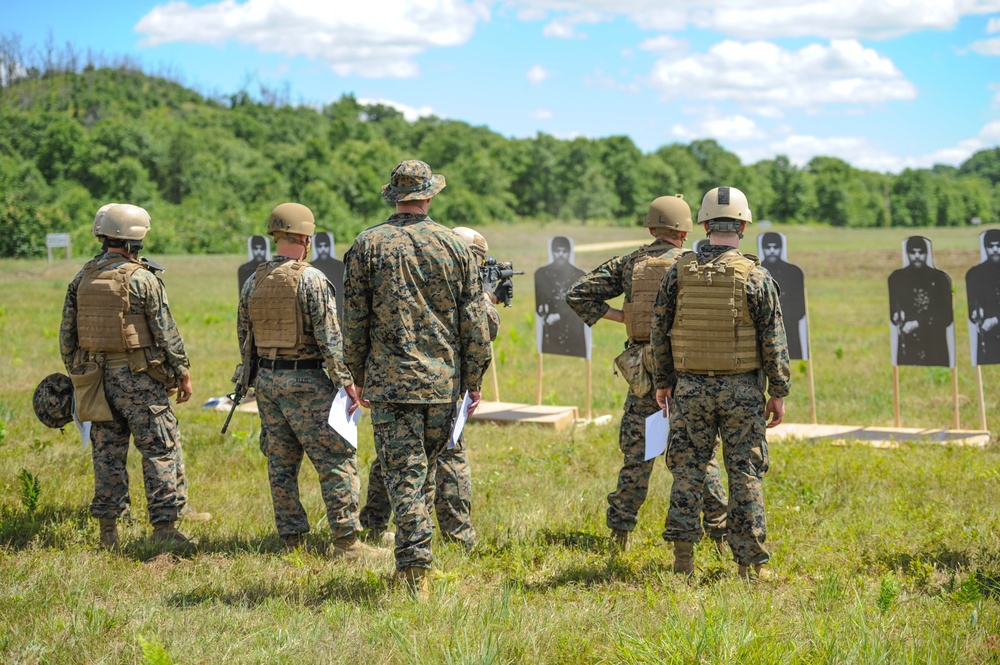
725 203
669 212
53 400
474 239
291 218
121 221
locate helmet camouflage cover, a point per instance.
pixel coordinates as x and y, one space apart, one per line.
53 400
291 218
669 212
121 220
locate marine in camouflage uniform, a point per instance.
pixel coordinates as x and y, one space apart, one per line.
116 315
416 338
291 309
717 332
669 221
452 495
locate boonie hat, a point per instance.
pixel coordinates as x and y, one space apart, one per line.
53 400
412 180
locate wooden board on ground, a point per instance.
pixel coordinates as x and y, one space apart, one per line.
248 405
558 417
883 437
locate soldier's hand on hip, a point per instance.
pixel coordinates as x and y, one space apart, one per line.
774 412
184 391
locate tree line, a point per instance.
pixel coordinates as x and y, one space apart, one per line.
78 131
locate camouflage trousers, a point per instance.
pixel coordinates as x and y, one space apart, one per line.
140 409
633 479
294 406
451 493
732 407
408 440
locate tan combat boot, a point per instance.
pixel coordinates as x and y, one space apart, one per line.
292 542
191 515
415 580
619 540
684 557
350 547
167 535
756 573
379 537
109 533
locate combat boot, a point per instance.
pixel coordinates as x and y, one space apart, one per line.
167 535
756 573
379 537
619 540
684 557
719 544
415 580
109 533
350 547
292 542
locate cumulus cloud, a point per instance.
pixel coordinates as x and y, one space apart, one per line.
378 38
538 74
564 27
993 25
767 19
665 45
541 114
762 73
410 113
716 126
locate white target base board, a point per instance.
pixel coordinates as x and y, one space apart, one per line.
507 413
880 437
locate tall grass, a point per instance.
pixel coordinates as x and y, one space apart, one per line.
882 555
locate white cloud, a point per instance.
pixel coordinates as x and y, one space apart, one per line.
993 25
666 45
410 113
541 114
987 46
762 73
377 38
564 27
724 128
538 74
991 132
766 19
601 80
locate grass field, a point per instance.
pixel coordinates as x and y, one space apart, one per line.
882 555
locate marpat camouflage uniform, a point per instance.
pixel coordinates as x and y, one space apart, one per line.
416 338
139 404
294 406
588 298
728 405
453 492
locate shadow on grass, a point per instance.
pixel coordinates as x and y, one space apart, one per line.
19 528
941 559
370 590
586 541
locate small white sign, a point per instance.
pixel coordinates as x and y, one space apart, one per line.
56 240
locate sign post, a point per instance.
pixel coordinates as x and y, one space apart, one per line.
57 240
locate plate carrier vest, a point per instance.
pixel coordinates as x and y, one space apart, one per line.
274 310
647 273
713 332
103 321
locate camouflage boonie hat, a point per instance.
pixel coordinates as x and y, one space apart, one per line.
53 400
412 180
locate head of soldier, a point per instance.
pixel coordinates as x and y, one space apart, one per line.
121 228
916 252
292 225
725 213
669 219
322 245
771 246
991 241
475 240
560 250
411 186
258 248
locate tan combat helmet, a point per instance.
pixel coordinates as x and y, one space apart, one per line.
669 212
474 239
725 203
291 218
122 221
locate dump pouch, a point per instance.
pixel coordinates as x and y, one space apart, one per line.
633 366
88 386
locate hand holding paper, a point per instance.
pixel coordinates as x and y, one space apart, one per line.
343 419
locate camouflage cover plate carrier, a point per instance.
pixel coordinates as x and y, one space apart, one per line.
714 332
274 310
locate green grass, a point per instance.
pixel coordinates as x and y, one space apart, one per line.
883 555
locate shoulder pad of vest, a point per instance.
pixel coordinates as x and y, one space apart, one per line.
152 266
752 257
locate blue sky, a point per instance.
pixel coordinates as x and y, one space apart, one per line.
883 84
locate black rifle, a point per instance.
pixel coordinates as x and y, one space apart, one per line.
243 377
497 279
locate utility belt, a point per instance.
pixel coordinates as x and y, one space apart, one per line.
109 359
278 363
